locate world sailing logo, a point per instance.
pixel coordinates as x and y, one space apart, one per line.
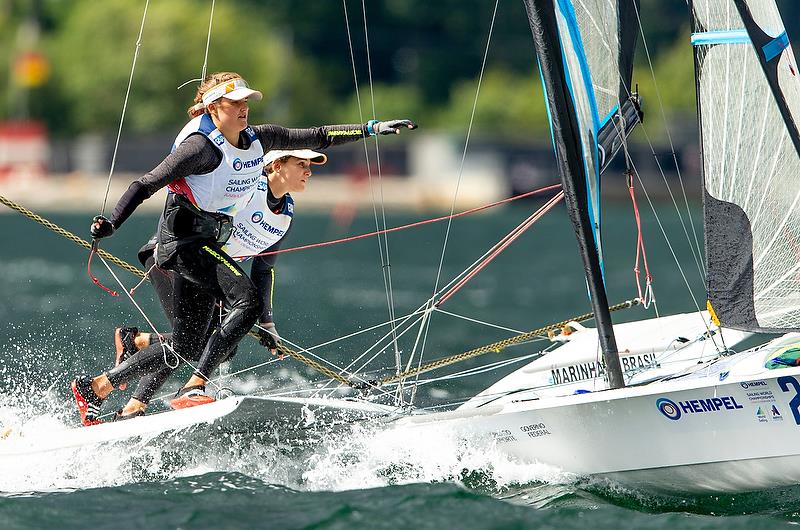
668 408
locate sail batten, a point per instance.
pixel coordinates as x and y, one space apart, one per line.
738 36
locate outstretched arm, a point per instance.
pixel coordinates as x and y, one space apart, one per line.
277 137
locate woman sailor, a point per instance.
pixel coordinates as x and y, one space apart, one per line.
259 228
212 172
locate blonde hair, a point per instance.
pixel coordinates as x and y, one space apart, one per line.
210 81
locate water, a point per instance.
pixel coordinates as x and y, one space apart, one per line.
56 324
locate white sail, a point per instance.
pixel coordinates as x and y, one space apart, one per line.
589 31
750 164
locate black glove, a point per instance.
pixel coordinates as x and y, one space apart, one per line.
268 336
101 227
391 126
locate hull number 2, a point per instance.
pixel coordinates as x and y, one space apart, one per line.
788 384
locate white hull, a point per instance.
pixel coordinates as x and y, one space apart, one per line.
735 426
649 349
255 414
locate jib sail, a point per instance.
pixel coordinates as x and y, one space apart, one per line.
748 104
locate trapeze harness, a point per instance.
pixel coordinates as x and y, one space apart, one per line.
197 219
199 207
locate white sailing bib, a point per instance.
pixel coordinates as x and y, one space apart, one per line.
230 186
255 227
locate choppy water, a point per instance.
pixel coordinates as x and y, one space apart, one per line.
56 324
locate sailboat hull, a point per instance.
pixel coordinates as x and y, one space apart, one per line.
733 426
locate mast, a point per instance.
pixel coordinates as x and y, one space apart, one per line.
570 144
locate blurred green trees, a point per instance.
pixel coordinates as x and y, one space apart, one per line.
92 52
425 58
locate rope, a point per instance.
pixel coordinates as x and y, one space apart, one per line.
72 237
647 297
697 253
125 106
499 345
502 245
410 225
284 350
140 273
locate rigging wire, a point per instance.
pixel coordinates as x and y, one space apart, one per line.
503 244
410 225
141 274
696 249
460 175
125 107
204 71
476 321
163 343
384 265
426 306
388 267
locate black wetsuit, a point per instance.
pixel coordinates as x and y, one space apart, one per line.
203 272
261 273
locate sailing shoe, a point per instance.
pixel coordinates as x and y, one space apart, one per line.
125 344
88 402
191 396
119 416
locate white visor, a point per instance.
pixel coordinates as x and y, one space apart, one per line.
235 89
306 154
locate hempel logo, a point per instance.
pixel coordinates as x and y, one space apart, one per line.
257 217
668 408
674 411
238 164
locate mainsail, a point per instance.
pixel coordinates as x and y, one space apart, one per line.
585 51
749 103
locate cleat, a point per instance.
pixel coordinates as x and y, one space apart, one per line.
191 396
88 402
124 343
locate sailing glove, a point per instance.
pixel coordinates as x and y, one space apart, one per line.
268 336
390 126
101 227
